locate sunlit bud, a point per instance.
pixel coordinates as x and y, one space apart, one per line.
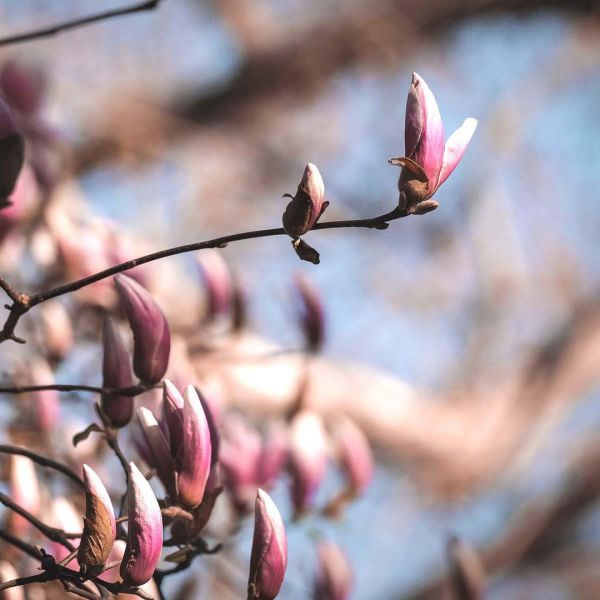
46 403
99 528
116 373
22 85
354 454
335 577
428 162
144 531
273 455
268 560
12 152
57 328
308 458
218 282
310 313
196 460
467 576
307 205
24 489
8 573
151 336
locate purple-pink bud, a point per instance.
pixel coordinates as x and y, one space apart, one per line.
428 161
218 282
310 314
335 578
22 85
46 403
268 559
151 336
144 531
12 152
195 465
24 489
116 373
308 458
307 205
354 454
99 530
172 407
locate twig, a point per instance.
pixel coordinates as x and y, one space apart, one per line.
42 461
133 390
21 545
52 533
102 16
22 303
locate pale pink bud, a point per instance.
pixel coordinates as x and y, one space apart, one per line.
24 489
12 152
307 205
46 403
355 454
57 328
428 162
99 529
467 576
195 465
8 573
151 336
22 85
268 559
116 373
172 407
308 458
218 282
310 314
144 531
65 517
335 577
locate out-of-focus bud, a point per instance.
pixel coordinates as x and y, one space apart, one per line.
308 458
144 531
152 339
354 454
218 282
211 420
99 530
310 313
8 573
467 576
57 329
268 559
335 578
307 205
428 162
12 152
116 373
273 455
24 201
24 489
22 85
46 403
64 516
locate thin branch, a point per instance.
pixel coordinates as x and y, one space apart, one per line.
133 390
21 545
52 533
102 16
42 461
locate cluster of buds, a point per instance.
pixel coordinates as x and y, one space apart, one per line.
179 448
428 162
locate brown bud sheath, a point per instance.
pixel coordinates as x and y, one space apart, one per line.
307 205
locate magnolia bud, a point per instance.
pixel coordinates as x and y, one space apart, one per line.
99 529
307 205
268 560
151 336
311 314
355 454
218 282
116 373
334 579
466 571
22 85
12 152
144 531
24 489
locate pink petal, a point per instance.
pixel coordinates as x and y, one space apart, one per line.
455 148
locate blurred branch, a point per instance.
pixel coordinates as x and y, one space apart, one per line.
133 390
75 23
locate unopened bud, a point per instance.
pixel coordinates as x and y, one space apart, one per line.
22 85
335 578
311 314
466 571
12 152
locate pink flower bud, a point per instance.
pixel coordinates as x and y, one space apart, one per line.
116 373
24 489
355 454
46 403
56 327
307 205
65 517
218 283
311 314
428 162
268 559
172 406
12 152
22 85
273 455
144 531
335 578
467 576
308 458
151 336
99 529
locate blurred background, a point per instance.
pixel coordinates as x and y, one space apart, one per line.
466 342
